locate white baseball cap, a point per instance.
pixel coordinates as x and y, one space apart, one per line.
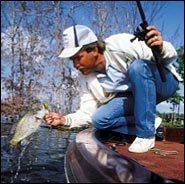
74 38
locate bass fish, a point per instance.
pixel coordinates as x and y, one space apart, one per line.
28 124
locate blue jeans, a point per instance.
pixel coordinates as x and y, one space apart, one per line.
134 113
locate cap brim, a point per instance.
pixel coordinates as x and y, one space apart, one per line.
67 53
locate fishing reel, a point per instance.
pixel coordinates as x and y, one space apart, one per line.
140 32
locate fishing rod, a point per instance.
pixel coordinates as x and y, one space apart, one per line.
140 33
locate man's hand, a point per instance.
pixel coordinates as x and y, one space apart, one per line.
154 38
54 119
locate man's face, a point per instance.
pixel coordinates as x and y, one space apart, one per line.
85 61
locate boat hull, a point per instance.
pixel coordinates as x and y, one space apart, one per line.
88 160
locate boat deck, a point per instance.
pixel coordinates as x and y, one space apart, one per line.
96 158
166 159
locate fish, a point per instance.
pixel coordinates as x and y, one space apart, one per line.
28 124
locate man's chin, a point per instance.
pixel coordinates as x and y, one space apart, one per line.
85 72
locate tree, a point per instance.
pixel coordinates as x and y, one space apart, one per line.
180 67
32 39
176 99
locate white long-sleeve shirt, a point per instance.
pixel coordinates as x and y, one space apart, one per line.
119 53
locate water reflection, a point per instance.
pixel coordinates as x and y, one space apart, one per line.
40 159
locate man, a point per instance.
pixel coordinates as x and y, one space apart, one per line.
120 83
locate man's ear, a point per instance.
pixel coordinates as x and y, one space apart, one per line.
95 51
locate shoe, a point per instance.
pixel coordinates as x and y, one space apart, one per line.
158 121
142 145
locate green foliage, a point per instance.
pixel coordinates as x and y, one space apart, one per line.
174 125
177 97
180 68
169 120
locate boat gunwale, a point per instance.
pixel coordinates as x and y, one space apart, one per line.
86 145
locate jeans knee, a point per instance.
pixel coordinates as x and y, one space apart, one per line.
98 122
95 121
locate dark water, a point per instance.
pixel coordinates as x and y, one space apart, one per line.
40 159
